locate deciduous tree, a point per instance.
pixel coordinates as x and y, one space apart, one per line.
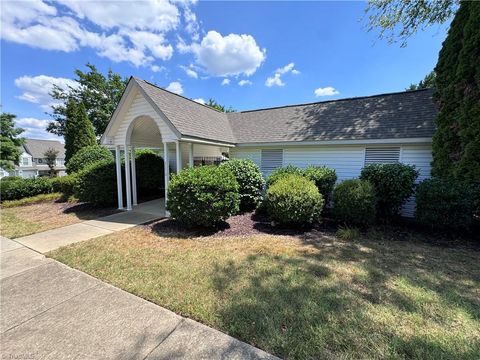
10 141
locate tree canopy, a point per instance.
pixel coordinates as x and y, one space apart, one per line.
400 19
427 82
99 94
51 157
78 131
10 141
456 143
212 103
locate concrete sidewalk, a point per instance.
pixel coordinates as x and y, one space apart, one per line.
52 239
50 311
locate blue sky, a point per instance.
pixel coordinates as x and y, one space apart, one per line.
243 54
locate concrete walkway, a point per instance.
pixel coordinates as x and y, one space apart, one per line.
52 239
50 311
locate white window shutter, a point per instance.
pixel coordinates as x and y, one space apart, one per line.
382 155
271 160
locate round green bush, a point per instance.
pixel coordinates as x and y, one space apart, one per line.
294 200
97 183
393 183
150 173
444 204
86 156
22 188
324 179
354 202
282 172
203 196
250 181
65 184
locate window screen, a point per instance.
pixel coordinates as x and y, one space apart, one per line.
271 160
384 155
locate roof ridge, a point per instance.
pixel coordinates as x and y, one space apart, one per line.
183 97
42 139
335 100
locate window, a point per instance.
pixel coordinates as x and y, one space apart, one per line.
271 160
25 161
382 155
40 161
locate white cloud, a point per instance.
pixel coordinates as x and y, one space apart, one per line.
276 79
175 87
326 91
133 32
156 68
189 71
244 82
228 55
36 89
200 101
35 129
225 81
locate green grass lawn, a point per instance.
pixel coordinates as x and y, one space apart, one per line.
304 297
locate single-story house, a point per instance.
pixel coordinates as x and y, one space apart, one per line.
33 162
342 134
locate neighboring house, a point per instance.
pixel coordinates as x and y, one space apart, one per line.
343 134
33 162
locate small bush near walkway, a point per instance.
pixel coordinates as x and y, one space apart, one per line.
65 184
444 204
22 188
282 172
324 179
354 202
393 183
150 173
250 181
97 183
294 200
87 156
203 196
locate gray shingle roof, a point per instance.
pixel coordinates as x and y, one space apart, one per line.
189 117
407 114
37 148
390 116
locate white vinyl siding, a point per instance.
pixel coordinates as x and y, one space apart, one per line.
382 155
271 159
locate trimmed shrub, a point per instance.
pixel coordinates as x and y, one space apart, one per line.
444 204
393 183
324 179
150 173
282 172
11 178
354 202
86 156
97 183
203 196
65 184
22 188
294 200
250 181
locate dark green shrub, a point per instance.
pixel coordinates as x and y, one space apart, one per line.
393 183
22 188
294 200
65 184
203 196
86 156
11 178
280 173
97 183
150 173
324 179
354 202
250 181
444 204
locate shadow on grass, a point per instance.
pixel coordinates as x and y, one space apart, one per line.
365 299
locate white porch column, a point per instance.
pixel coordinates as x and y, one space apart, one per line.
134 177
190 155
128 178
166 167
118 166
178 153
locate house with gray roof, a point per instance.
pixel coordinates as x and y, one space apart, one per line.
33 162
344 134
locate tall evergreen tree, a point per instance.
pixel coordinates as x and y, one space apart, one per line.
10 142
456 143
78 129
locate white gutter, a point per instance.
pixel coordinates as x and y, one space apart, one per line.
206 142
339 142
